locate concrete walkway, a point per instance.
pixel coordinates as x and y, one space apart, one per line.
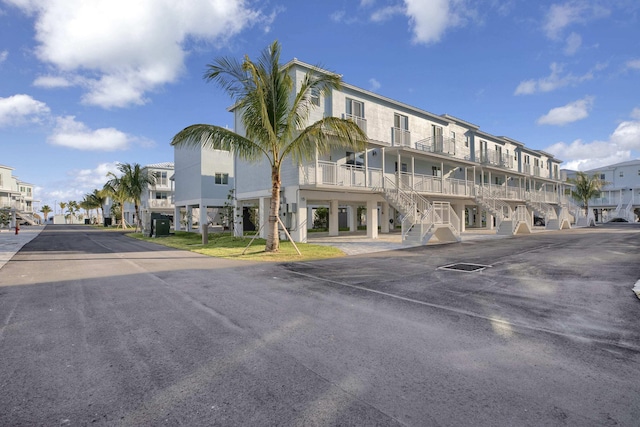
358 243
10 243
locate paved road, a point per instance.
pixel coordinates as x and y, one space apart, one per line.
97 328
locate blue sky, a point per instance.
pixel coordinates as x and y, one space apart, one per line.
85 84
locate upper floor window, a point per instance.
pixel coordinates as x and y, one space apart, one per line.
400 122
621 174
355 158
436 171
355 108
466 142
222 178
526 159
160 195
403 166
453 136
315 96
161 179
602 175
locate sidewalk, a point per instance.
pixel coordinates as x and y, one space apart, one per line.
10 244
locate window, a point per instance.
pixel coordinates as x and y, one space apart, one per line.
161 195
315 96
355 158
602 175
621 174
355 108
436 171
536 162
526 159
161 179
400 122
222 178
404 167
453 136
466 142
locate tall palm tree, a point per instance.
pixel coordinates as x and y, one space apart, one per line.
46 210
136 181
585 188
72 207
63 206
116 188
98 199
274 118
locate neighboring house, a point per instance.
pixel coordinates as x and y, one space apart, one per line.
621 193
204 179
17 195
155 199
427 174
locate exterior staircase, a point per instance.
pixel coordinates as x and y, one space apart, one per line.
26 216
494 205
421 219
519 222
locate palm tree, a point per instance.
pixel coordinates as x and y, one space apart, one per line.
63 206
72 207
117 189
136 181
98 199
586 188
46 210
274 118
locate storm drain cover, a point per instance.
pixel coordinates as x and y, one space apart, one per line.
466 267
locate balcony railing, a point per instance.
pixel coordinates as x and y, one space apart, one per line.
495 158
360 121
328 173
400 137
160 203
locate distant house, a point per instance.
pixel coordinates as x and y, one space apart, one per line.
621 194
17 195
204 179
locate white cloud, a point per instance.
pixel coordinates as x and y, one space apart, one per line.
52 82
374 85
21 109
561 16
386 13
3 56
78 183
569 113
73 134
574 41
124 49
430 19
633 64
554 81
580 155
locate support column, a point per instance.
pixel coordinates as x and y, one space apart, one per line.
189 217
459 210
264 203
176 219
478 216
372 219
384 217
238 218
333 218
203 223
489 221
352 217
299 233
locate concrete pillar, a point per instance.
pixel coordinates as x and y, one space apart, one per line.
176 218
299 223
459 210
189 215
352 217
489 221
384 217
264 205
333 218
372 219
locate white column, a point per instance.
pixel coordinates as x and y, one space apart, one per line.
264 204
333 218
384 217
176 218
459 210
189 218
352 217
203 220
299 233
372 219
238 218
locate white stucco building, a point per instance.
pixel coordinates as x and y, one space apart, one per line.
17 195
621 194
203 180
426 174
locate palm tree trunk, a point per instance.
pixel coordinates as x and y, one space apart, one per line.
273 240
122 214
138 223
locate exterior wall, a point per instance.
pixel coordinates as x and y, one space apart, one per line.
195 176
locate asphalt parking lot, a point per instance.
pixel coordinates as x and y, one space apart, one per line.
97 328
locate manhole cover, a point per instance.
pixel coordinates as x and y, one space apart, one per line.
466 267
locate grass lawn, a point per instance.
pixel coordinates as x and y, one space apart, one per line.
224 245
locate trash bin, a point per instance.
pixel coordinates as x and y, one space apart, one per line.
107 222
87 221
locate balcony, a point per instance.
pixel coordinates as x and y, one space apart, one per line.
160 203
438 145
360 121
400 137
333 174
494 158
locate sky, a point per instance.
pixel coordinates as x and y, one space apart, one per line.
88 84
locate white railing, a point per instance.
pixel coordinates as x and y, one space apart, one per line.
521 214
160 203
360 121
400 137
438 145
494 157
329 173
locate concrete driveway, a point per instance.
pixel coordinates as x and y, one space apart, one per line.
97 328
